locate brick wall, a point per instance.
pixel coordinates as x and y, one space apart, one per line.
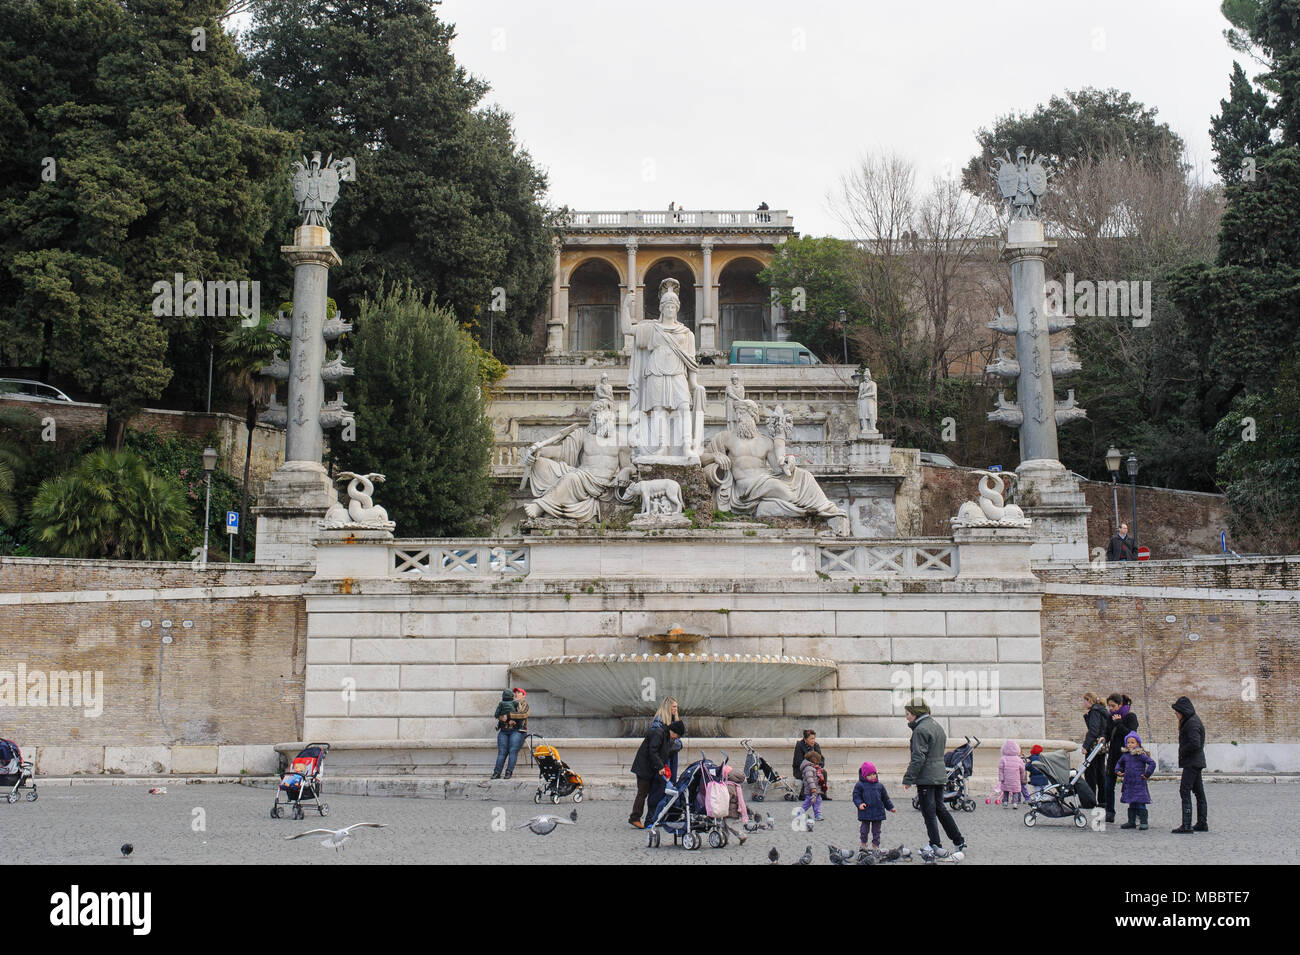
1174 524
1129 629
234 675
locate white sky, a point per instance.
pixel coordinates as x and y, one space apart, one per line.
711 104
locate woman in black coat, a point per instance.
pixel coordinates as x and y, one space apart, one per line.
1122 722
1097 720
1191 758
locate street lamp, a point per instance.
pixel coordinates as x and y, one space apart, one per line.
844 333
209 465
1113 461
1132 479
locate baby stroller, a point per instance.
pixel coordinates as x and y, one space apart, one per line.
557 778
1058 798
302 783
682 812
960 765
14 772
760 774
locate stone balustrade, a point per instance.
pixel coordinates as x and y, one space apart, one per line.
682 218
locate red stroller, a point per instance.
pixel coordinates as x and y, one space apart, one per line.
302 783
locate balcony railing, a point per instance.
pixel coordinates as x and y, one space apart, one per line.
913 559
682 218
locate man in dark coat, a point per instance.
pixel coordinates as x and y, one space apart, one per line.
1121 546
1191 759
648 766
927 772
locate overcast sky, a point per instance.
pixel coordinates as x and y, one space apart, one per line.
721 104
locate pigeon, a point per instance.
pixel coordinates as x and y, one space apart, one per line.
866 857
127 849
334 838
805 859
839 856
893 855
544 825
773 855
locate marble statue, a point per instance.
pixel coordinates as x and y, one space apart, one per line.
867 408
571 472
735 392
1022 183
316 186
1007 412
658 497
604 389
752 473
665 400
361 511
990 510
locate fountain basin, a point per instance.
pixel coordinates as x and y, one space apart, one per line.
705 684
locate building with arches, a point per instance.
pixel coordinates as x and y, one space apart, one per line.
605 257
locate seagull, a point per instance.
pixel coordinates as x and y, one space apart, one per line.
773 855
839 856
805 859
544 825
127 848
336 837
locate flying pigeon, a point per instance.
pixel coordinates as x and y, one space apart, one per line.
839 856
334 838
773 855
544 825
805 859
127 848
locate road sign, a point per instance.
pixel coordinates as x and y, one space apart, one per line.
1223 542
1144 553
232 522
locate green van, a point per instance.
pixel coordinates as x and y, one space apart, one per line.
771 353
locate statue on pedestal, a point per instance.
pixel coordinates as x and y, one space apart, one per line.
735 392
752 473
867 409
665 401
569 473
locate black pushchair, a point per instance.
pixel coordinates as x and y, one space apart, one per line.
15 772
1067 793
682 813
760 774
960 766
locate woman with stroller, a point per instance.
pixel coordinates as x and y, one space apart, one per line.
651 768
667 713
1097 719
1122 722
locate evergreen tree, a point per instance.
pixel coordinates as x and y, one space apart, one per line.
421 416
1241 131
445 198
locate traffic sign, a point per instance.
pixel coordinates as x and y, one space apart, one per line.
232 522
1144 553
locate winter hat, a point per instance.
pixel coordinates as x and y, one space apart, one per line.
867 769
1133 736
521 691
1036 750
1010 748
917 707
1183 707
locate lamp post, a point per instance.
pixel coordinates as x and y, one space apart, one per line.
1113 460
1132 480
209 465
844 334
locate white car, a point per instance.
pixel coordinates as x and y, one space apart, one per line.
25 390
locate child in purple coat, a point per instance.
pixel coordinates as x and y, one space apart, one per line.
871 799
1133 770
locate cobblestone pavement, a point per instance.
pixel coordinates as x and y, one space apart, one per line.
86 824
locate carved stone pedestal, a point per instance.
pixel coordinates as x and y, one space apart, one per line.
1051 498
289 512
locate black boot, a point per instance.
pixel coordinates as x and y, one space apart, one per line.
1186 827
1201 826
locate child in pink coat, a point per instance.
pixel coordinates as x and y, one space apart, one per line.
1012 775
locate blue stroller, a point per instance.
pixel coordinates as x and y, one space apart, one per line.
682 814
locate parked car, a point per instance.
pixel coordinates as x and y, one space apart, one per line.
771 353
26 390
936 460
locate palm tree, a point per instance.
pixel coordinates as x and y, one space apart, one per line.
246 350
111 506
18 420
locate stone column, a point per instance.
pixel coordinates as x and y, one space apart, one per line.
708 327
629 287
555 327
1027 252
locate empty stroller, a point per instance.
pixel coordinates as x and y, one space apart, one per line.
682 812
760 774
960 764
557 778
302 783
14 772
1058 798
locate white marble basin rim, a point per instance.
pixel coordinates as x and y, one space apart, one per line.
705 684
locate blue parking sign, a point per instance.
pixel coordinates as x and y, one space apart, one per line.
232 522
